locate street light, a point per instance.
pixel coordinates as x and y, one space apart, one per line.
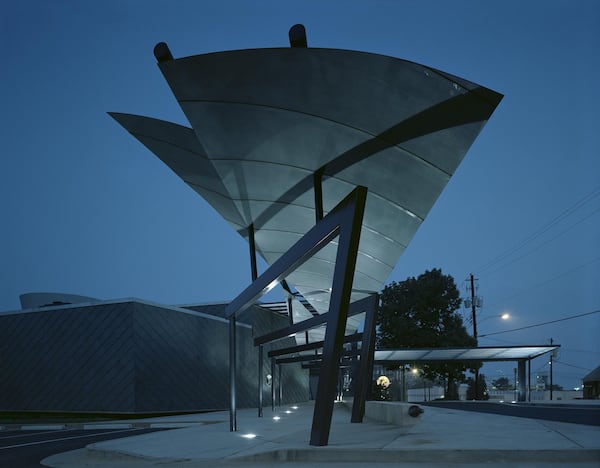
416 372
503 316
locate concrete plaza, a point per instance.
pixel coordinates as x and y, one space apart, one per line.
440 437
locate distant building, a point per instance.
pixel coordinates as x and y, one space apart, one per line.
591 385
132 356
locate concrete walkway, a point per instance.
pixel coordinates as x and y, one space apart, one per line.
441 437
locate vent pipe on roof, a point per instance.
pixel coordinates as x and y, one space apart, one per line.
298 36
162 52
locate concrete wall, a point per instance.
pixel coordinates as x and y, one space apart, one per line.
128 356
537 395
393 412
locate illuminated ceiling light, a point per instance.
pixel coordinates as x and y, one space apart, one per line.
288 412
276 418
248 436
294 407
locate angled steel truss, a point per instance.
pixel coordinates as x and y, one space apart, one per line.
343 222
362 379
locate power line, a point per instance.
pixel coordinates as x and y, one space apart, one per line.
572 365
543 323
585 351
566 213
510 342
543 283
529 252
562 348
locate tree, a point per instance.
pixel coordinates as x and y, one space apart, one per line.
502 383
421 313
482 392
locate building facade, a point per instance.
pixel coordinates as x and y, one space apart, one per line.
133 356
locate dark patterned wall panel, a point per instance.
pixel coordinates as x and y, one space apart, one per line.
294 378
131 357
182 361
72 359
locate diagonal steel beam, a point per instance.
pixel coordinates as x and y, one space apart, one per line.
339 305
313 241
345 222
367 354
310 346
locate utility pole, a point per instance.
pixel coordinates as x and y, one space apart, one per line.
474 304
474 309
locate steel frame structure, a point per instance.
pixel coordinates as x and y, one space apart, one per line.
344 222
368 306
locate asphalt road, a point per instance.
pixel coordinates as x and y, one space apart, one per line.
25 449
576 414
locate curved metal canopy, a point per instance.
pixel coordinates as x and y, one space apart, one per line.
265 123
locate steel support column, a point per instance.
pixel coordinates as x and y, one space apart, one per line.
251 242
260 381
273 384
279 385
339 304
521 369
318 186
529 380
343 222
290 310
232 373
365 370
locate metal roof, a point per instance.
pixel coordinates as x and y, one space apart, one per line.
264 122
491 353
593 376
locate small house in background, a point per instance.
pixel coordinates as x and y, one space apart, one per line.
591 385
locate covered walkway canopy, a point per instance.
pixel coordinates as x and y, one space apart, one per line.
481 354
520 354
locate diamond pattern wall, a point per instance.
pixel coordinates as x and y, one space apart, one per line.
128 357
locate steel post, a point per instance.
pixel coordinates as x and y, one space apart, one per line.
232 374
365 370
273 384
341 290
260 381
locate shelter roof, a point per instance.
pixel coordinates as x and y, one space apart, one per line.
485 353
593 376
265 124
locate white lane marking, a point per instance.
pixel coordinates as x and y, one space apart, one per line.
42 427
29 434
67 438
107 426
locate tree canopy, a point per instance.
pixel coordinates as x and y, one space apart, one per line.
422 313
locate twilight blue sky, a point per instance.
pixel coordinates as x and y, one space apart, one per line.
86 209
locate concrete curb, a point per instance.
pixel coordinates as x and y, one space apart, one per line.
425 456
97 457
